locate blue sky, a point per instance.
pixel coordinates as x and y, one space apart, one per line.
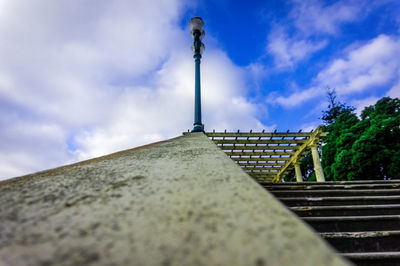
80 79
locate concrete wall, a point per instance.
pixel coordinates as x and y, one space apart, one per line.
180 202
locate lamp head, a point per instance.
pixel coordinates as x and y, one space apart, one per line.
196 24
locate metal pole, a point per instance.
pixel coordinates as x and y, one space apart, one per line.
198 126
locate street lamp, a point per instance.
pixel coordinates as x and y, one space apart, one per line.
196 24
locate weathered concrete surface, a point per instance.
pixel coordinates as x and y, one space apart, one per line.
181 202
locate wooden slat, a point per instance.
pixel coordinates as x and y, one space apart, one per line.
262 168
259 148
258 177
258 134
271 149
272 174
287 153
261 164
264 175
260 159
264 142
245 148
261 176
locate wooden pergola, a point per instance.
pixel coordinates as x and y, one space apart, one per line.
269 156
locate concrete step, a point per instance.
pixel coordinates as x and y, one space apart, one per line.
370 241
332 182
354 223
361 219
336 192
337 201
335 186
374 258
350 210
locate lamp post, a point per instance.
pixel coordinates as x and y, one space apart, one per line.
196 24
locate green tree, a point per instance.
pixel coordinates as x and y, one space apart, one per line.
358 148
337 151
339 121
377 150
335 108
365 148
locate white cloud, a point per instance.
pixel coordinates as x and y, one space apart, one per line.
374 64
288 51
82 79
171 109
312 17
299 97
364 68
394 92
362 103
257 71
310 23
308 127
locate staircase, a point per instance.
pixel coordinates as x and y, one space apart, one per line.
360 219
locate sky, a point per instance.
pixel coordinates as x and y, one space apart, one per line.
81 79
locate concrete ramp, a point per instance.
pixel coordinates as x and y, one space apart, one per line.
179 202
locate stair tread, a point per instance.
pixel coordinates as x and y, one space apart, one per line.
352 218
364 234
353 236
332 182
339 198
371 255
334 191
340 207
332 186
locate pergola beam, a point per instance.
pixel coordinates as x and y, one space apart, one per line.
251 153
259 148
261 164
250 141
256 134
310 141
265 155
258 159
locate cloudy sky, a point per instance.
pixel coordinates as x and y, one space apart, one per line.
84 78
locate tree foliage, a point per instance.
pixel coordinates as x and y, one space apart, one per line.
335 108
362 148
358 148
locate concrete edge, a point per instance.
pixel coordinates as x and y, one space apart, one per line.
46 172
